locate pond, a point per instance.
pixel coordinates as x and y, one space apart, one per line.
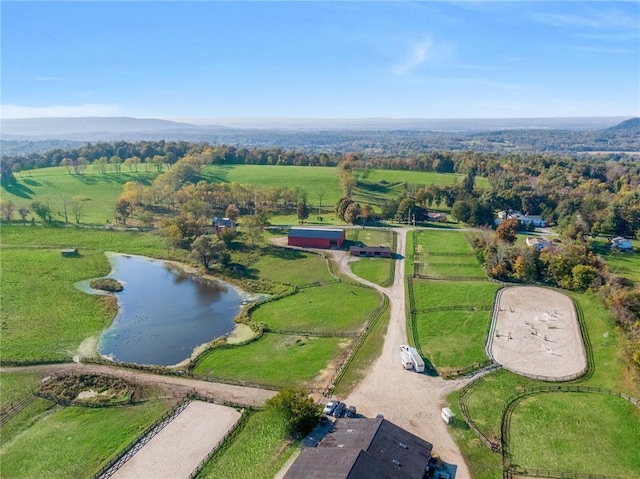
165 313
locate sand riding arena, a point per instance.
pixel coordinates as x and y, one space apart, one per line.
535 332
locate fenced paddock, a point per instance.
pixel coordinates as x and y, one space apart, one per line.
179 448
535 332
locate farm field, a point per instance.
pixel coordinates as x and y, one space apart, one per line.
56 184
317 309
276 359
16 385
583 433
257 450
75 441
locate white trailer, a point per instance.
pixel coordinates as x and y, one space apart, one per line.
418 363
407 362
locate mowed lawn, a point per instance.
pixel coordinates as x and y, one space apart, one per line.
76 441
443 294
453 339
277 359
336 307
43 315
375 270
257 451
291 266
584 433
54 185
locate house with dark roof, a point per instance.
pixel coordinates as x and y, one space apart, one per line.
316 237
363 449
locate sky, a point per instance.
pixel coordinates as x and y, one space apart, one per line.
314 59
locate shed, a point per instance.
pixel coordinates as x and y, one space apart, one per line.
69 252
316 237
220 223
370 251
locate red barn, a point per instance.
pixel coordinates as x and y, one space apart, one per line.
316 237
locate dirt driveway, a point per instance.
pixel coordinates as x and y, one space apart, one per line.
411 400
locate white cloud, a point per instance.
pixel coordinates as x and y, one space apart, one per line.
418 55
60 111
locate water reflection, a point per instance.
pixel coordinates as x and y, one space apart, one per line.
165 313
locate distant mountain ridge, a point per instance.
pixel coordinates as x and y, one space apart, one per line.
630 124
372 136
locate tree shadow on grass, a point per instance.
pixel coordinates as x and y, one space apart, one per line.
20 190
283 253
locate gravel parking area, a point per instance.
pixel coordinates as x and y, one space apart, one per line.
535 331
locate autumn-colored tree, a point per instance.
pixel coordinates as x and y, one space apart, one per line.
232 212
507 231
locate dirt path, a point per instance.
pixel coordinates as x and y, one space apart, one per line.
173 385
411 400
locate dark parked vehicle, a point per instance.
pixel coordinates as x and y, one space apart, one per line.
339 410
350 412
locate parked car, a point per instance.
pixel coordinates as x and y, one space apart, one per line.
350 412
330 407
339 410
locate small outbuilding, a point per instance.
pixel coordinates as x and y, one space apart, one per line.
69 252
370 251
316 237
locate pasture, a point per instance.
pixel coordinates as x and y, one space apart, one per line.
75 441
332 308
577 432
257 450
430 294
291 266
453 339
56 185
276 359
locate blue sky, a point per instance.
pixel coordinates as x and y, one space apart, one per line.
321 59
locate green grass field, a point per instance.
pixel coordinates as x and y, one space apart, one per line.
43 315
55 184
291 266
453 339
577 432
375 270
442 241
622 263
442 294
75 441
277 359
336 307
16 385
258 450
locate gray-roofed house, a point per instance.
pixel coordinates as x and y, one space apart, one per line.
316 237
363 449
